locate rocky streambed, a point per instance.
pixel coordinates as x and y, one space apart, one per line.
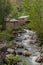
26 47
30 50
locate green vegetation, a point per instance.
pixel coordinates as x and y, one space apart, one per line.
14 12
11 9
6 34
34 8
11 59
5 9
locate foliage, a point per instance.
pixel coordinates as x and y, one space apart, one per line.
6 34
35 9
5 9
14 12
12 60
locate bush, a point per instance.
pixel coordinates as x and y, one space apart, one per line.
5 35
36 27
12 60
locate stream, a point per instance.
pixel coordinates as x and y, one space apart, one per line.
27 39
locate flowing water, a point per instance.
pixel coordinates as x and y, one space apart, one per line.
28 40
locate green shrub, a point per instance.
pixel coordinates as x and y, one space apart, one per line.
12 60
5 35
36 27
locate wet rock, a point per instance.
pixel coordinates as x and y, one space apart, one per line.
32 41
39 59
17 46
3 55
40 43
14 47
11 51
25 38
4 49
41 51
2 45
25 48
20 46
26 53
19 53
18 40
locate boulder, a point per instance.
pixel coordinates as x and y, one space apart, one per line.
11 51
39 59
26 53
